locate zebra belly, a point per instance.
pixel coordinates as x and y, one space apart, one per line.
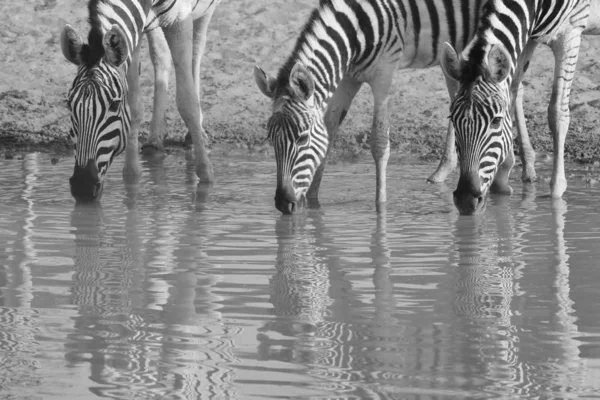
203 7
174 11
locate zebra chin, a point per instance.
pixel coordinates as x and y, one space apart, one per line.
86 185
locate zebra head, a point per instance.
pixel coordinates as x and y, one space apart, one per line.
297 132
480 114
100 118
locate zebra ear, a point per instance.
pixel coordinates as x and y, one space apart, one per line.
115 46
301 81
498 64
265 83
450 62
70 44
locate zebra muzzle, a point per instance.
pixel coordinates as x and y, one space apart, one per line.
85 183
468 197
285 199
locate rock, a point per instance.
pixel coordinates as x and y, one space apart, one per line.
7 34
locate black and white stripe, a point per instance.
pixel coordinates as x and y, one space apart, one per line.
355 41
505 40
100 115
481 143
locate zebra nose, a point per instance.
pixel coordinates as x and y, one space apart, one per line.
285 200
468 197
85 183
469 203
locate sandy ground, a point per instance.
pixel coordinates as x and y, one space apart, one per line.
34 79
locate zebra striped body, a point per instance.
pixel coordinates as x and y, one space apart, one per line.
104 97
488 72
346 43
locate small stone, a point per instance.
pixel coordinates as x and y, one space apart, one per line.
54 160
7 34
8 156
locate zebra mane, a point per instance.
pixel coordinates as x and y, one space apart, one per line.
477 50
93 51
284 72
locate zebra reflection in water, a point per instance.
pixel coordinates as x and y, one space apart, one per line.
496 302
299 291
485 274
146 322
314 304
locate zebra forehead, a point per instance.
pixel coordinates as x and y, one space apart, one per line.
477 101
97 80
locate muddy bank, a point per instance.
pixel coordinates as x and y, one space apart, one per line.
34 79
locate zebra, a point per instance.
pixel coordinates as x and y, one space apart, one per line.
343 44
104 98
488 72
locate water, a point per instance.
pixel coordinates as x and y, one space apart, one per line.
167 291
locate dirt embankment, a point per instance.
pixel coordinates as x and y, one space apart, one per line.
34 79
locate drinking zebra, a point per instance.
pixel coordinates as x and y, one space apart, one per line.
344 44
105 96
488 72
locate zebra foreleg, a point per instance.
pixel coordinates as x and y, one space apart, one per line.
131 169
525 148
448 161
337 109
179 38
200 33
566 52
526 151
161 59
380 132
500 184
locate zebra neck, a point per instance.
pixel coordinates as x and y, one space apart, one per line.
130 16
509 27
325 49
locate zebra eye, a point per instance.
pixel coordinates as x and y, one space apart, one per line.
496 122
302 139
114 105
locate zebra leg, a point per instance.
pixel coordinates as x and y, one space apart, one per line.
337 108
179 38
500 184
566 52
380 132
131 169
200 33
161 59
448 161
525 149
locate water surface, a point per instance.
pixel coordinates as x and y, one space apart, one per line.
168 291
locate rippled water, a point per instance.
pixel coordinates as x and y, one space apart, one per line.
169 291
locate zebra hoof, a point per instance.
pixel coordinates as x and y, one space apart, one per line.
439 175
501 189
151 149
187 142
205 174
530 179
313 203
